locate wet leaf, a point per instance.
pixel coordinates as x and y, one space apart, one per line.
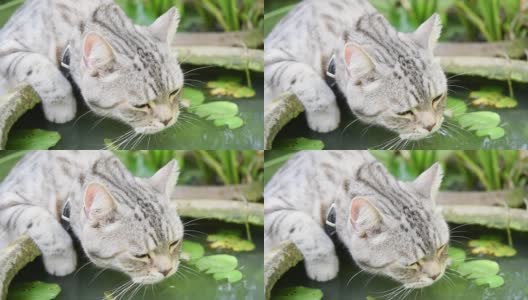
494 281
299 293
192 97
299 144
36 290
231 276
492 97
479 120
478 268
493 133
230 88
227 239
493 247
217 263
231 122
194 250
215 110
455 107
32 139
457 256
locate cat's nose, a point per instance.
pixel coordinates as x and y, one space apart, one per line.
433 277
167 121
430 127
165 272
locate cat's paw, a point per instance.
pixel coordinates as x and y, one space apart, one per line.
324 121
323 270
61 265
61 111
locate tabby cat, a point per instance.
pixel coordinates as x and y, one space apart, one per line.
123 222
390 227
389 78
124 71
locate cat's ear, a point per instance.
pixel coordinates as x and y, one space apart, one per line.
98 203
357 60
165 27
165 179
364 217
429 32
428 183
97 54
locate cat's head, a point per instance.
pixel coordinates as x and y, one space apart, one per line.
130 74
392 79
394 228
129 226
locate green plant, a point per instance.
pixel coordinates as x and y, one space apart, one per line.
495 20
230 166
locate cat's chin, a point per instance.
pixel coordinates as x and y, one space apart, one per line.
148 280
418 285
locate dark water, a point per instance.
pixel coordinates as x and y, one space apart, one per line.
89 284
361 136
190 133
451 287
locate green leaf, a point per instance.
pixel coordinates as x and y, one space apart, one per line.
217 263
455 107
479 120
192 97
492 97
478 268
457 256
32 139
494 133
494 281
231 122
228 239
489 246
215 110
230 88
299 144
299 293
36 290
194 250
231 276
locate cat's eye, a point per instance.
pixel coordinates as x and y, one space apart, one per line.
414 265
442 249
438 98
406 113
142 106
174 245
175 93
142 256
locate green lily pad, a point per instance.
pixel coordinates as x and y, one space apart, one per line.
478 268
36 290
493 133
299 144
230 88
491 246
32 139
231 276
455 107
492 97
299 293
494 281
231 122
228 239
217 263
215 110
192 97
194 250
457 256
479 120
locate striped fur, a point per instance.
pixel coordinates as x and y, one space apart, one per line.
117 217
124 71
390 79
390 228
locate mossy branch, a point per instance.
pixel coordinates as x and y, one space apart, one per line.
225 57
14 258
277 262
279 113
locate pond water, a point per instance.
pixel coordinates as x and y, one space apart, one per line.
88 131
512 269
361 136
88 283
